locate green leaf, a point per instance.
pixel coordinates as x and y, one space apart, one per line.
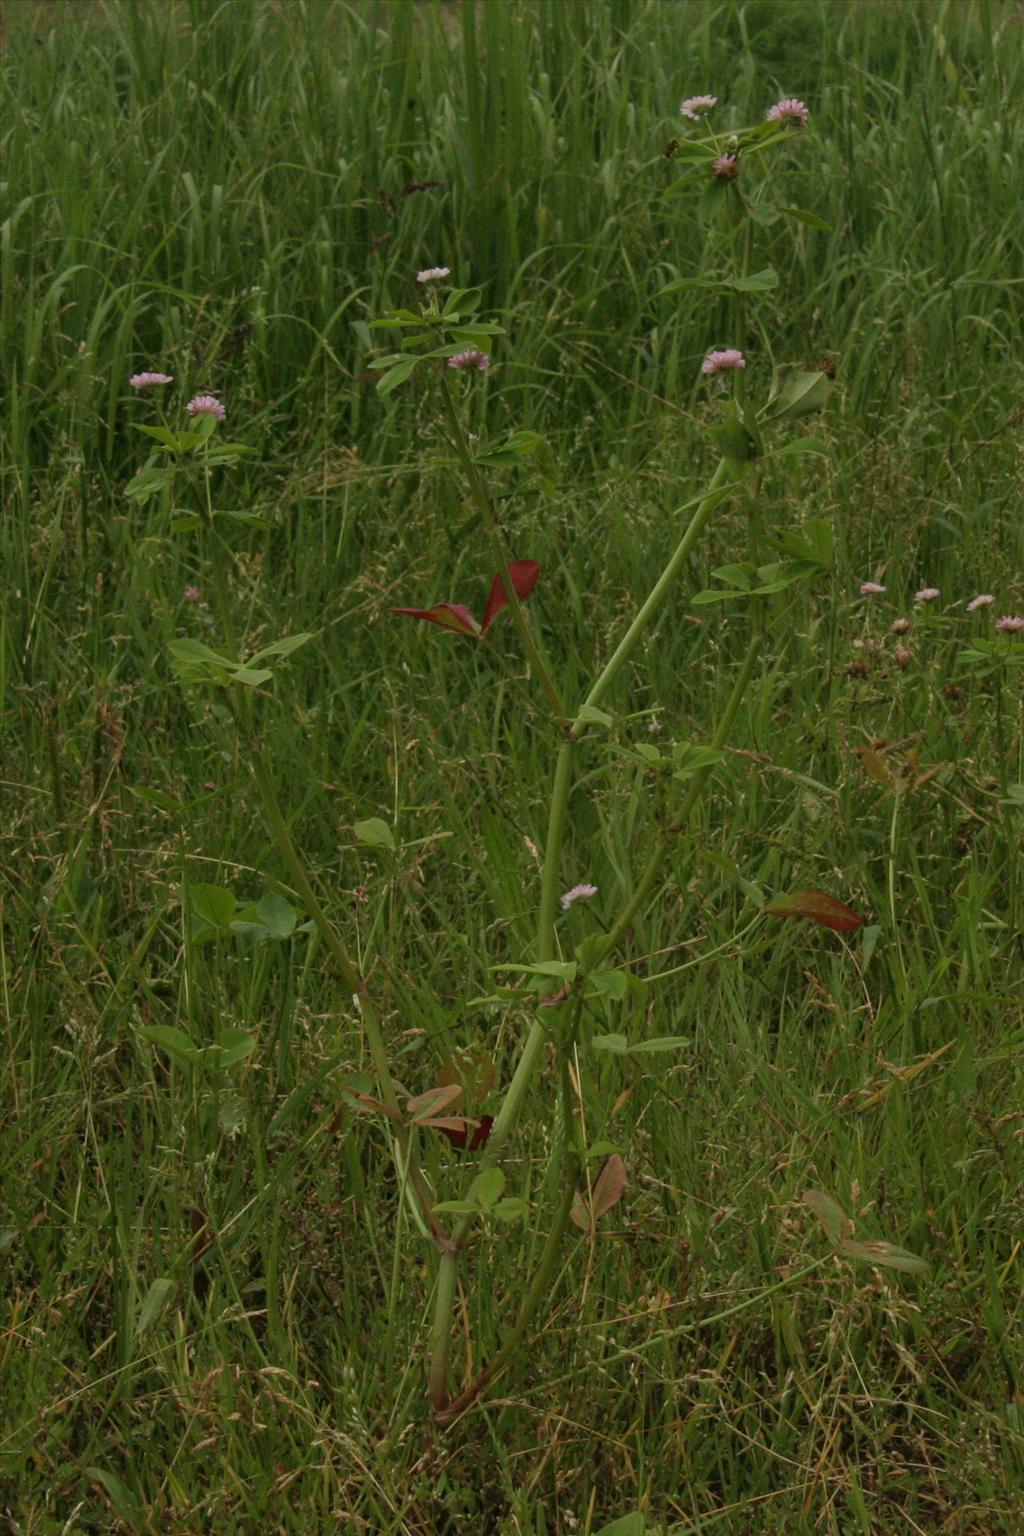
617 1045
799 446
462 301
834 1220
589 714
813 219
613 984
626 1525
812 542
153 1304
161 435
213 904
659 1044
739 576
120 1495
757 282
885 1254
689 759
397 375
487 1187
278 916
174 1042
148 482
283 647
185 522
375 832
561 970
801 395
514 1208
232 1046
195 662
733 439
456 1208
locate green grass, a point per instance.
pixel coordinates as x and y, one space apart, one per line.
224 192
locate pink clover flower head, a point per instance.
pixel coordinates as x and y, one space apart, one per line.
693 106
431 274
1009 624
147 380
578 893
192 594
720 362
726 167
471 358
981 601
206 405
903 657
899 626
926 595
870 589
789 110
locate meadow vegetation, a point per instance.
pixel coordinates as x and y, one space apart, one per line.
217 1300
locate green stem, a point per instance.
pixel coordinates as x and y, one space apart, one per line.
481 497
515 1095
705 506
410 1177
541 1282
652 869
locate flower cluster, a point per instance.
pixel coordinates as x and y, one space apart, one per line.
471 358
206 405
789 110
431 274
721 362
147 380
578 893
693 106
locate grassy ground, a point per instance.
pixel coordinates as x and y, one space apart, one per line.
215 1312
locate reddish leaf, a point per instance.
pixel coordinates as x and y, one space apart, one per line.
482 1133
434 1102
449 615
460 1137
607 1191
522 575
820 908
610 1186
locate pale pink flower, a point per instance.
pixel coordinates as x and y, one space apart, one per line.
206 405
726 167
902 656
1010 624
192 594
789 110
926 595
899 626
719 362
430 274
471 358
653 727
578 893
981 601
147 380
693 106
870 588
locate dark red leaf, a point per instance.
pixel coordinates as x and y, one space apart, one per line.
482 1133
459 1138
820 908
449 615
523 576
